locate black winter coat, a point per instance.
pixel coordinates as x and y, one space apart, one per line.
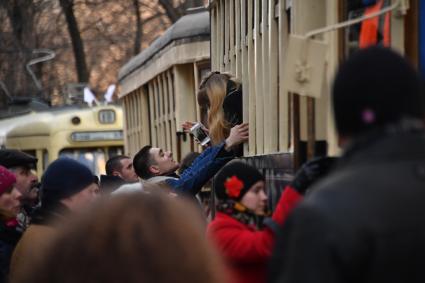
365 222
9 237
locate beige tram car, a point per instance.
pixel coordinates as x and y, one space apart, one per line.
251 39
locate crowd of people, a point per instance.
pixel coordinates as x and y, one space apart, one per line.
356 218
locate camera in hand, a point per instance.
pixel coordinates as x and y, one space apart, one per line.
200 134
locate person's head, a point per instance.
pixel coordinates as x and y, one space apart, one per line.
22 164
243 184
131 238
68 182
375 87
10 203
211 95
121 166
153 161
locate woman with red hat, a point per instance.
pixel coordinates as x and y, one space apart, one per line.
10 206
238 230
243 241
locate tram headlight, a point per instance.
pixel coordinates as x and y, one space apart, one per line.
107 116
75 120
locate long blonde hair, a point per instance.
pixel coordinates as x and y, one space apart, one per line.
211 94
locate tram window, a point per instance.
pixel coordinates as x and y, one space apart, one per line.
260 15
246 22
93 158
45 159
173 96
31 152
107 116
203 71
375 31
115 150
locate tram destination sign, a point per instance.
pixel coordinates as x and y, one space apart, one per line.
97 136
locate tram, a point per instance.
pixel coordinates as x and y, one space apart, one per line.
158 86
261 43
89 135
265 44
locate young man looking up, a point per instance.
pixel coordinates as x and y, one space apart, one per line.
155 165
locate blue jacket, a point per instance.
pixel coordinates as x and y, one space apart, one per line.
203 168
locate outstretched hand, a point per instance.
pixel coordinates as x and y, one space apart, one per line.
311 171
238 134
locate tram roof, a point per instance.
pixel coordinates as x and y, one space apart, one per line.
192 27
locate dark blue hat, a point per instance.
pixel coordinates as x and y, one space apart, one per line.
63 178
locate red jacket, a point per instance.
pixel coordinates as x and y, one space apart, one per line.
246 251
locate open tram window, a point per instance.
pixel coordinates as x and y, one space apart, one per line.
374 31
203 70
93 158
45 159
114 151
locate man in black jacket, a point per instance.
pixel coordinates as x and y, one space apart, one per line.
365 222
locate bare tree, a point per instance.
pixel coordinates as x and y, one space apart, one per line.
139 27
17 44
99 35
175 10
77 42
173 13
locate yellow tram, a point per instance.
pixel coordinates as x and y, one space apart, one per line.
89 135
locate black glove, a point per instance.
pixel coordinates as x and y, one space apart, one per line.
310 172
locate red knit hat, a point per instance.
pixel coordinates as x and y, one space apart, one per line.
7 179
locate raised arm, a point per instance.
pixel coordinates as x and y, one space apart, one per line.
209 162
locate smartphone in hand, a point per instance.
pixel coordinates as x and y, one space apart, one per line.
200 134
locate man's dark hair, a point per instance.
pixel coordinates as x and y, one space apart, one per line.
142 161
114 164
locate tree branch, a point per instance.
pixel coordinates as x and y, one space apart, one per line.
172 13
77 42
